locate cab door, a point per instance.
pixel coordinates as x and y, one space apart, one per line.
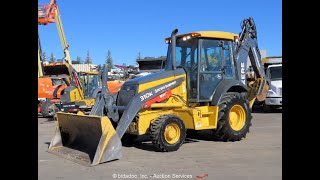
215 66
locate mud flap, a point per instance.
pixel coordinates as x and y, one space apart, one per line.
88 140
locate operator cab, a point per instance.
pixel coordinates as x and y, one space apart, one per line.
90 82
207 59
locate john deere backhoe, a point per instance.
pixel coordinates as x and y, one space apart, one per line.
203 86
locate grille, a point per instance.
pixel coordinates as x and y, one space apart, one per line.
280 91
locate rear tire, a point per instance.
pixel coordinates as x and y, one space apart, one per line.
234 117
168 133
47 109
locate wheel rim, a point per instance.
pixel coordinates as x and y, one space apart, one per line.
172 133
237 117
51 109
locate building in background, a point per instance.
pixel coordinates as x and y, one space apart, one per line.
85 67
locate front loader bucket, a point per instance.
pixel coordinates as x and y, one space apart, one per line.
85 139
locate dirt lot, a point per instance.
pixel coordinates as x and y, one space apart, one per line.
259 156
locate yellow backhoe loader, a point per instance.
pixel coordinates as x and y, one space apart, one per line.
203 86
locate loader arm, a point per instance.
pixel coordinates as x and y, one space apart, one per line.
93 139
247 46
104 100
105 104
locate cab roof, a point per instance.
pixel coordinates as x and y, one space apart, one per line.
210 34
217 34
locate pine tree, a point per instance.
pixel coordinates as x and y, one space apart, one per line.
52 58
44 56
139 57
109 61
88 59
78 60
99 67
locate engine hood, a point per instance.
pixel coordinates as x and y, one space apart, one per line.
154 76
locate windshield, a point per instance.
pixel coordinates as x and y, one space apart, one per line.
57 82
275 73
186 54
90 83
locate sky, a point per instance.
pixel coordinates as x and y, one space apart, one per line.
127 27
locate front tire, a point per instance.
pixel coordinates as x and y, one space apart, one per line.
47 109
234 118
168 133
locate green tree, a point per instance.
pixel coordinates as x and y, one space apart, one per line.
99 67
109 61
79 61
88 59
139 57
52 58
44 56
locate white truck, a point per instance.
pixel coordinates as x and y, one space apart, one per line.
274 72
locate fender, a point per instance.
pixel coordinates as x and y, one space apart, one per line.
224 86
56 91
65 97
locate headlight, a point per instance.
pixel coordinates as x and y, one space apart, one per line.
186 38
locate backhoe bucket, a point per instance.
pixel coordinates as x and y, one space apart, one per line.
85 139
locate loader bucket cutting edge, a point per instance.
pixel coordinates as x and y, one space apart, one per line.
85 139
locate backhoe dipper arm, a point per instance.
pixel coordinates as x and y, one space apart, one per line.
248 47
104 101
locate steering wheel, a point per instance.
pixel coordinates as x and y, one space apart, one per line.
190 67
